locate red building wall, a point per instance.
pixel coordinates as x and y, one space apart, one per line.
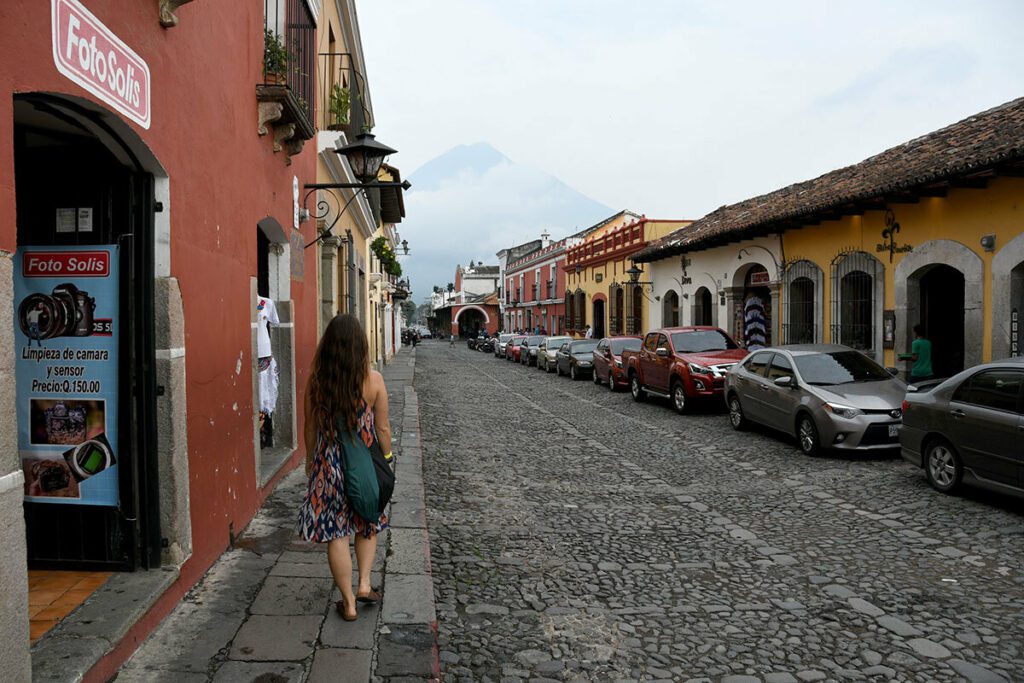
223 179
544 311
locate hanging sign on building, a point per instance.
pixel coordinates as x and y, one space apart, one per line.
89 53
66 337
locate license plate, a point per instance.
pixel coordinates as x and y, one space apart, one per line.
894 431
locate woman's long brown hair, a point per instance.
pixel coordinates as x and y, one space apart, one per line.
340 367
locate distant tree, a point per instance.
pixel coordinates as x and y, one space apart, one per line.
408 311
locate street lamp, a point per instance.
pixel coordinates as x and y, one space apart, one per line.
365 156
634 274
405 247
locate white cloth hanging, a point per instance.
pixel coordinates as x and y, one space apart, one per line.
266 313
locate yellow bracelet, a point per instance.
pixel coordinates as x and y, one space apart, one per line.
388 456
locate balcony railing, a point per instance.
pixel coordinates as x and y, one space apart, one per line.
340 102
289 72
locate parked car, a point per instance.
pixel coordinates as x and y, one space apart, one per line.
608 368
499 346
512 350
576 358
681 363
969 429
546 352
826 395
528 354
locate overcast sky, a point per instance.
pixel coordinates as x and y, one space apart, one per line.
673 108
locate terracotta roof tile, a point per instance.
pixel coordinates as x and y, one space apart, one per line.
978 143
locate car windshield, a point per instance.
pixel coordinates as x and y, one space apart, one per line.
698 341
505 337
517 340
583 346
555 342
839 367
620 345
533 341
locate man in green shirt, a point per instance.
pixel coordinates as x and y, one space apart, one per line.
921 354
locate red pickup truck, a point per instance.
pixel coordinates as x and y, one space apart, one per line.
681 363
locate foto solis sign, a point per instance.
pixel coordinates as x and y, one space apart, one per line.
89 54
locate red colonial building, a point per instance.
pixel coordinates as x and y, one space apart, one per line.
151 171
534 288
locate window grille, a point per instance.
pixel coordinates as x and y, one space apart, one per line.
801 288
615 314
636 302
854 276
570 308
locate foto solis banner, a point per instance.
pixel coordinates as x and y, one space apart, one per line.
65 333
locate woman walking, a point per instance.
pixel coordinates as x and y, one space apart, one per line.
342 392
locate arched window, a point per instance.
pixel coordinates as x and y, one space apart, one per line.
670 309
855 285
801 290
615 313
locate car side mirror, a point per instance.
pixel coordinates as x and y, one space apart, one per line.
784 382
895 372
662 352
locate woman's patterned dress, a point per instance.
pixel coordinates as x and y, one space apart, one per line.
325 514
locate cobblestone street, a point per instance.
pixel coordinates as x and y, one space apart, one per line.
577 535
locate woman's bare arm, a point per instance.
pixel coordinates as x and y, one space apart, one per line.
309 426
380 412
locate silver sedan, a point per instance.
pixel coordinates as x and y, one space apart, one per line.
547 350
826 395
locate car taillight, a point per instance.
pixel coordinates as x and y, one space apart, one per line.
906 406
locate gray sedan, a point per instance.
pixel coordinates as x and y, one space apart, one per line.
826 395
969 428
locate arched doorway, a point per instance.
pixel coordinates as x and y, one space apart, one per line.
470 322
98 456
702 310
670 309
1008 300
942 316
939 285
757 308
598 317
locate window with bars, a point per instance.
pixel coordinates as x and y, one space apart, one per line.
615 312
581 309
570 308
854 282
636 303
801 289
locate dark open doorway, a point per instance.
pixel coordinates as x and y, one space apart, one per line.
471 322
942 316
598 317
79 187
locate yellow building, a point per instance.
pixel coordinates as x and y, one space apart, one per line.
927 233
597 289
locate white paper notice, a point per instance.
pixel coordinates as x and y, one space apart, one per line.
85 220
66 220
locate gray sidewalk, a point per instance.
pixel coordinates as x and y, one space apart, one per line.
265 610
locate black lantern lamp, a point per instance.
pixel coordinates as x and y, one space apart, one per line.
634 274
405 247
365 156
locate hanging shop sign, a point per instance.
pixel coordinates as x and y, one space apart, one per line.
760 277
889 329
66 335
89 53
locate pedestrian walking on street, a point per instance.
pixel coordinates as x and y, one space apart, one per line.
342 389
451 342
921 354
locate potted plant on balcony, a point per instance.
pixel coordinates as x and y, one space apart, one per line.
339 107
275 58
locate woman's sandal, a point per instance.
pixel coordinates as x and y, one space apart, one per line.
370 598
340 605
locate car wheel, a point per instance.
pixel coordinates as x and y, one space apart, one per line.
611 382
638 391
572 373
807 435
942 466
736 417
679 397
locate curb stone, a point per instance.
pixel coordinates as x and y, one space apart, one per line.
407 640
